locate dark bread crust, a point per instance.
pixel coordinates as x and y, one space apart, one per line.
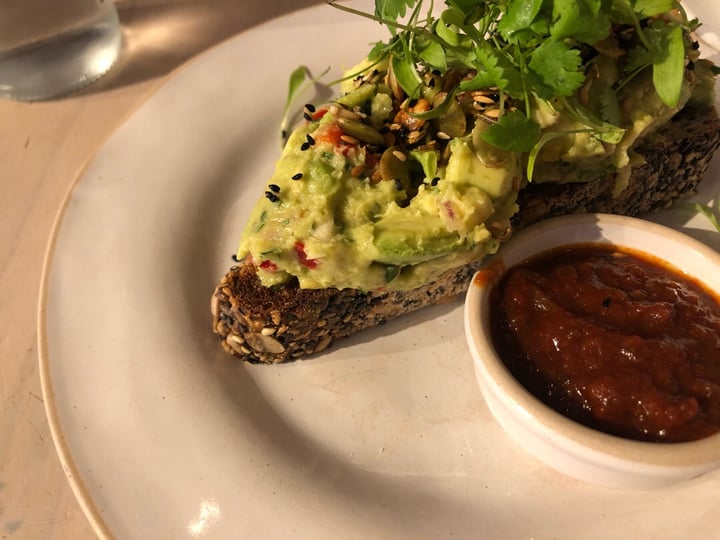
270 325
675 159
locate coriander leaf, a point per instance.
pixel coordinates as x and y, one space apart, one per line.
623 12
465 6
431 52
519 16
650 8
668 73
609 105
594 6
575 20
378 50
496 69
514 132
640 57
558 67
392 9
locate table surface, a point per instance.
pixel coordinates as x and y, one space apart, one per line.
43 147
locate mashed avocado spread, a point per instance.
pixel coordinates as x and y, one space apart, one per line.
416 167
339 212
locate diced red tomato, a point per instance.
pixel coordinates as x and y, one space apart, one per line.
318 114
268 265
302 256
330 133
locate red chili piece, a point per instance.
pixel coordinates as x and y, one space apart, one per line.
302 256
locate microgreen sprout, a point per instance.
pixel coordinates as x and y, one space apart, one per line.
531 50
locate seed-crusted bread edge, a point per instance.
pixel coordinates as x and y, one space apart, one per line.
270 325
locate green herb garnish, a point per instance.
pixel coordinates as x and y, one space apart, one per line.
529 50
710 212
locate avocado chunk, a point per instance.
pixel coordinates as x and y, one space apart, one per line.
401 242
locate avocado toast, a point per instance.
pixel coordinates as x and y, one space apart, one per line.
447 138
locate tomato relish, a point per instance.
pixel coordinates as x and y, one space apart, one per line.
614 339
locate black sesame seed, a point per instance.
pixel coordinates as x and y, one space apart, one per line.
304 146
310 140
310 107
297 176
434 181
271 196
274 188
307 117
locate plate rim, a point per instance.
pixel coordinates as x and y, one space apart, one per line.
70 468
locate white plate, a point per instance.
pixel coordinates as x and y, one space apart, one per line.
165 436
708 12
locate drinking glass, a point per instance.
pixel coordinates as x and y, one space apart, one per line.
48 48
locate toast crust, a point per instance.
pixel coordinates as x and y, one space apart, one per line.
270 325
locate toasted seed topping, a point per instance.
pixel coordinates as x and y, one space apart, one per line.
399 155
269 195
434 181
235 344
442 135
310 107
414 136
483 98
310 140
274 188
235 338
322 344
304 146
297 176
263 343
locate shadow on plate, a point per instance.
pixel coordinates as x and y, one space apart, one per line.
160 36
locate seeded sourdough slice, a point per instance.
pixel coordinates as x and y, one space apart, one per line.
270 325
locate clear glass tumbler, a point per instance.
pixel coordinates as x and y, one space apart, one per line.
48 48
